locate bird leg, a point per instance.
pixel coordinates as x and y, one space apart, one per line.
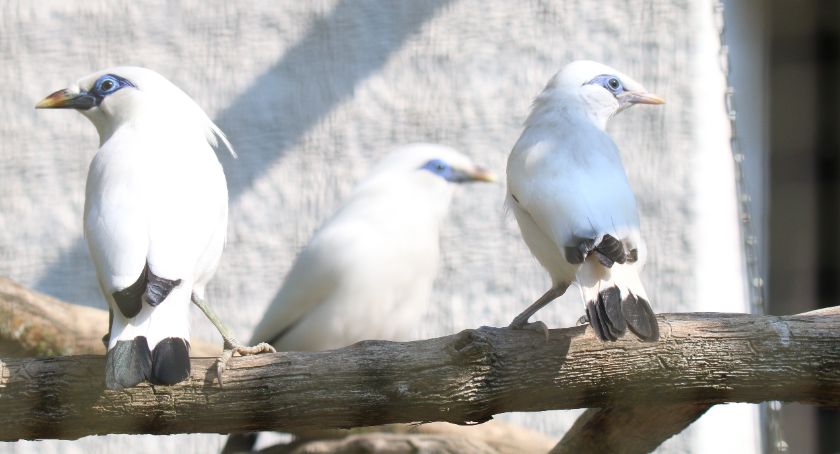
521 320
231 344
106 339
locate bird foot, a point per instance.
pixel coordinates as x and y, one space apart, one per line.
243 350
583 320
537 326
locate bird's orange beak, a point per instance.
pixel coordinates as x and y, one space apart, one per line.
66 99
482 174
640 97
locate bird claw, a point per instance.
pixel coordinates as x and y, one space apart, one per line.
262 347
583 320
243 350
537 326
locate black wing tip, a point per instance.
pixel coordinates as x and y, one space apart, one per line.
170 361
580 248
128 364
129 300
158 288
148 287
610 316
608 251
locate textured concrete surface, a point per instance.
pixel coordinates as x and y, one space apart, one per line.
312 93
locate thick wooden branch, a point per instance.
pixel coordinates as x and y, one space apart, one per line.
627 430
463 378
496 437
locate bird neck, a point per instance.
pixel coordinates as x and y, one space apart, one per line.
174 129
556 108
423 192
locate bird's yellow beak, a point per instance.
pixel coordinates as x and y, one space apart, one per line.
640 97
482 174
66 99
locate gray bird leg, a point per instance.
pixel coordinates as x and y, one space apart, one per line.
521 320
107 337
231 344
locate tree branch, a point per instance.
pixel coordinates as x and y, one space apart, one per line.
464 378
626 430
496 437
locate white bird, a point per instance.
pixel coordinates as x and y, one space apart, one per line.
570 196
367 272
155 218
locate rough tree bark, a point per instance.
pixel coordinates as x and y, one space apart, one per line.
464 378
492 437
35 324
625 430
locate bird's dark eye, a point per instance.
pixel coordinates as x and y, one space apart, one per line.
608 82
106 84
436 166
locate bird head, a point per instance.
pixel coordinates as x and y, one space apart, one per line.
434 164
458 172
598 90
115 96
429 172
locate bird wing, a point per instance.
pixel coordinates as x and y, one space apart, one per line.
188 216
573 187
149 230
366 273
117 226
315 275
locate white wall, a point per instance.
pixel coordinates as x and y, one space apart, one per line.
311 93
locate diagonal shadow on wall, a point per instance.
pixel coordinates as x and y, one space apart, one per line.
321 71
337 53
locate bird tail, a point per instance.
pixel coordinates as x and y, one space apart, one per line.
616 300
152 346
128 363
240 443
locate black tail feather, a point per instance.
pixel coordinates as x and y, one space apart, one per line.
608 325
240 443
128 363
170 361
596 319
610 316
640 318
610 300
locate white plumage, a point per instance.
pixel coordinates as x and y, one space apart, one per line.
367 272
155 215
571 198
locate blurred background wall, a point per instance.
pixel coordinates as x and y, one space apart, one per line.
803 58
312 93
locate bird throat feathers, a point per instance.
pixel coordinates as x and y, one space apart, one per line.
551 107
